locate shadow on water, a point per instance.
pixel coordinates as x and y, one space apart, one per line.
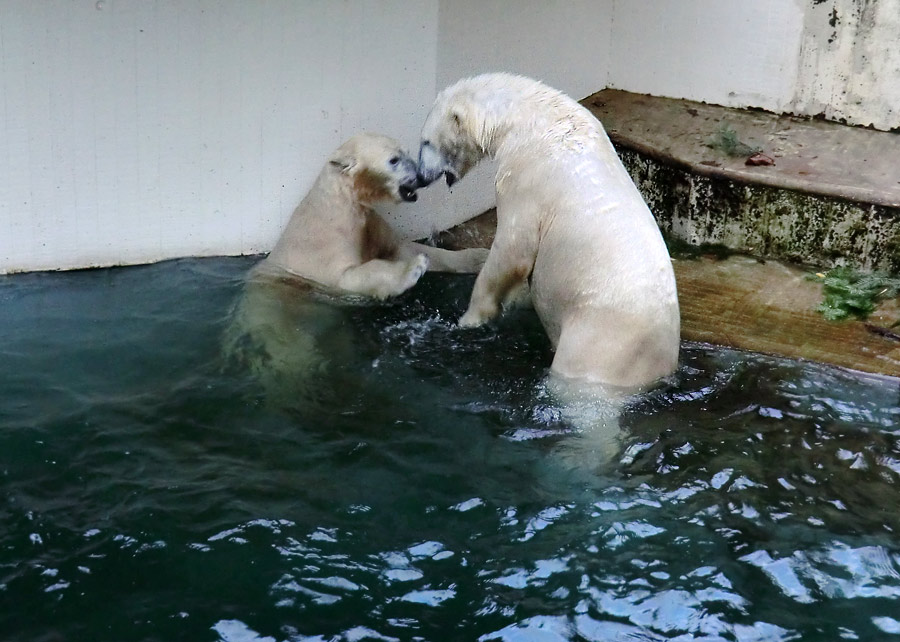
359 362
300 344
184 459
315 353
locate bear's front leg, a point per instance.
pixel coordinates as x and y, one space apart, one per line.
467 261
491 289
506 269
479 313
381 278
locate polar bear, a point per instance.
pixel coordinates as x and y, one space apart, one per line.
570 223
337 241
290 325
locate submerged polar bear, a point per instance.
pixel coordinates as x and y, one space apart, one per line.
569 220
290 326
336 240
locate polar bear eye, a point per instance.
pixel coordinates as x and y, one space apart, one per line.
394 160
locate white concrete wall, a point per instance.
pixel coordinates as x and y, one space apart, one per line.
565 43
137 130
727 52
839 58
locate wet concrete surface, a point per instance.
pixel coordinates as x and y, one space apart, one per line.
811 156
770 307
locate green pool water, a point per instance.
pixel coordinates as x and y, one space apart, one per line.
177 465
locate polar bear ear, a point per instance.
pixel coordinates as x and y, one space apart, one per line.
344 162
456 117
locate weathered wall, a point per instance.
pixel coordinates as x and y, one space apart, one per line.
849 62
767 221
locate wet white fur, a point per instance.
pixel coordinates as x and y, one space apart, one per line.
285 329
335 238
570 218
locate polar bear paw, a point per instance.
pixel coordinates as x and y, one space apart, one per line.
477 316
470 320
414 271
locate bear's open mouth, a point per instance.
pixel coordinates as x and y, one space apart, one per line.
407 193
450 177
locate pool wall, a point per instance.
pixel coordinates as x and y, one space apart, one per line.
137 131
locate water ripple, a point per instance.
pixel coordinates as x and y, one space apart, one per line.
413 489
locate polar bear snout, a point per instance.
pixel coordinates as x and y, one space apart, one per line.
405 170
433 164
408 192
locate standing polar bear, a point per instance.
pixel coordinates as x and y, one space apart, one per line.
569 221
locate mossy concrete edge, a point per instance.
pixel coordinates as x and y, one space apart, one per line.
766 221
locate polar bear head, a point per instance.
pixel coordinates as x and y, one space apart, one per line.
379 168
455 135
467 121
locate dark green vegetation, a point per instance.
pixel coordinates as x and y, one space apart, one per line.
851 293
417 483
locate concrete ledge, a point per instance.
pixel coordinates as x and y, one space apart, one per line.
763 306
832 197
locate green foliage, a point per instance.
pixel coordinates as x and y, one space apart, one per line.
726 140
851 293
